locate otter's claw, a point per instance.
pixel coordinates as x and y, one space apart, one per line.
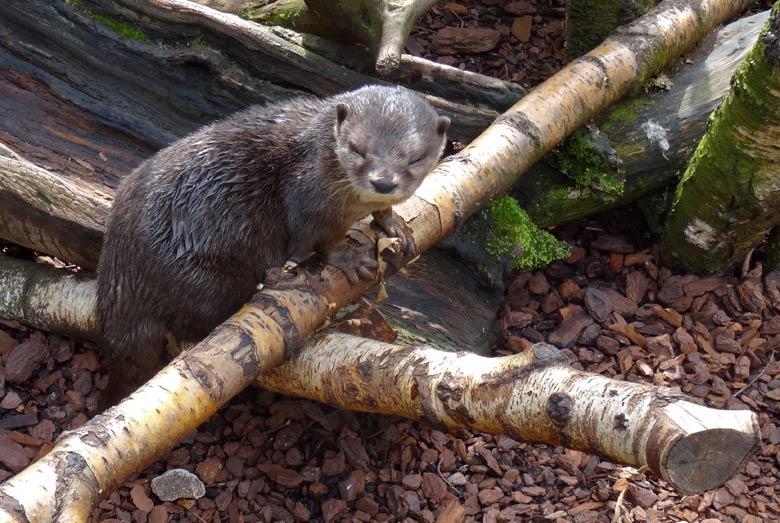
395 227
355 264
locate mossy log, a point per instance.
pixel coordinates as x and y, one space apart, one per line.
92 155
535 396
727 200
206 64
278 319
649 138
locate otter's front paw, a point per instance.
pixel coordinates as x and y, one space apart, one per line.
355 264
395 227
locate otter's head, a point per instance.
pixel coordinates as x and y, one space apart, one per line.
387 140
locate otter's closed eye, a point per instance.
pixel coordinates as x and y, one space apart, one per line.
355 148
418 160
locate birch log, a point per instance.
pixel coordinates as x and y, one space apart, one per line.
726 202
653 135
534 396
256 338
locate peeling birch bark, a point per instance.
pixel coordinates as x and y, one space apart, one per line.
534 396
256 338
52 300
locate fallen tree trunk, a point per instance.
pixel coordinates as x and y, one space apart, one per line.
650 137
49 213
726 202
41 214
257 337
90 121
534 396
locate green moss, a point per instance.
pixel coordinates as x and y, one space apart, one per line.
128 31
581 160
513 228
197 42
283 14
725 202
656 61
623 113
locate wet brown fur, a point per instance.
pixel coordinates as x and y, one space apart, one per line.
194 228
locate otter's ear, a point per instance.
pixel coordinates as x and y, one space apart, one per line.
341 113
442 125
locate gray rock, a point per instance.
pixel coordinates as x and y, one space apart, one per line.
178 484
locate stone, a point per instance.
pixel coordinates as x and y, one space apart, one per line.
490 496
178 484
538 283
519 9
332 508
208 470
636 286
725 344
140 499
12 454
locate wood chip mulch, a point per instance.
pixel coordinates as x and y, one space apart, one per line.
612 307
268 458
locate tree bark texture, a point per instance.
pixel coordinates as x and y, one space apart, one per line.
206 64
382 25
535 396
652 136
110 114
36 202
278 319
444 81
727 200
97 155
588 22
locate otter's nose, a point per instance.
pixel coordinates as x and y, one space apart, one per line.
384 185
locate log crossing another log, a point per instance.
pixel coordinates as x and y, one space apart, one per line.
534 396
652 135
278 319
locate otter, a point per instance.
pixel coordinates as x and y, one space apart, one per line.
194 228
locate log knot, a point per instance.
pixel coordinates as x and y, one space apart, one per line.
559 407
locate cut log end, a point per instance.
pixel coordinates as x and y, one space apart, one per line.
705 460
698 448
